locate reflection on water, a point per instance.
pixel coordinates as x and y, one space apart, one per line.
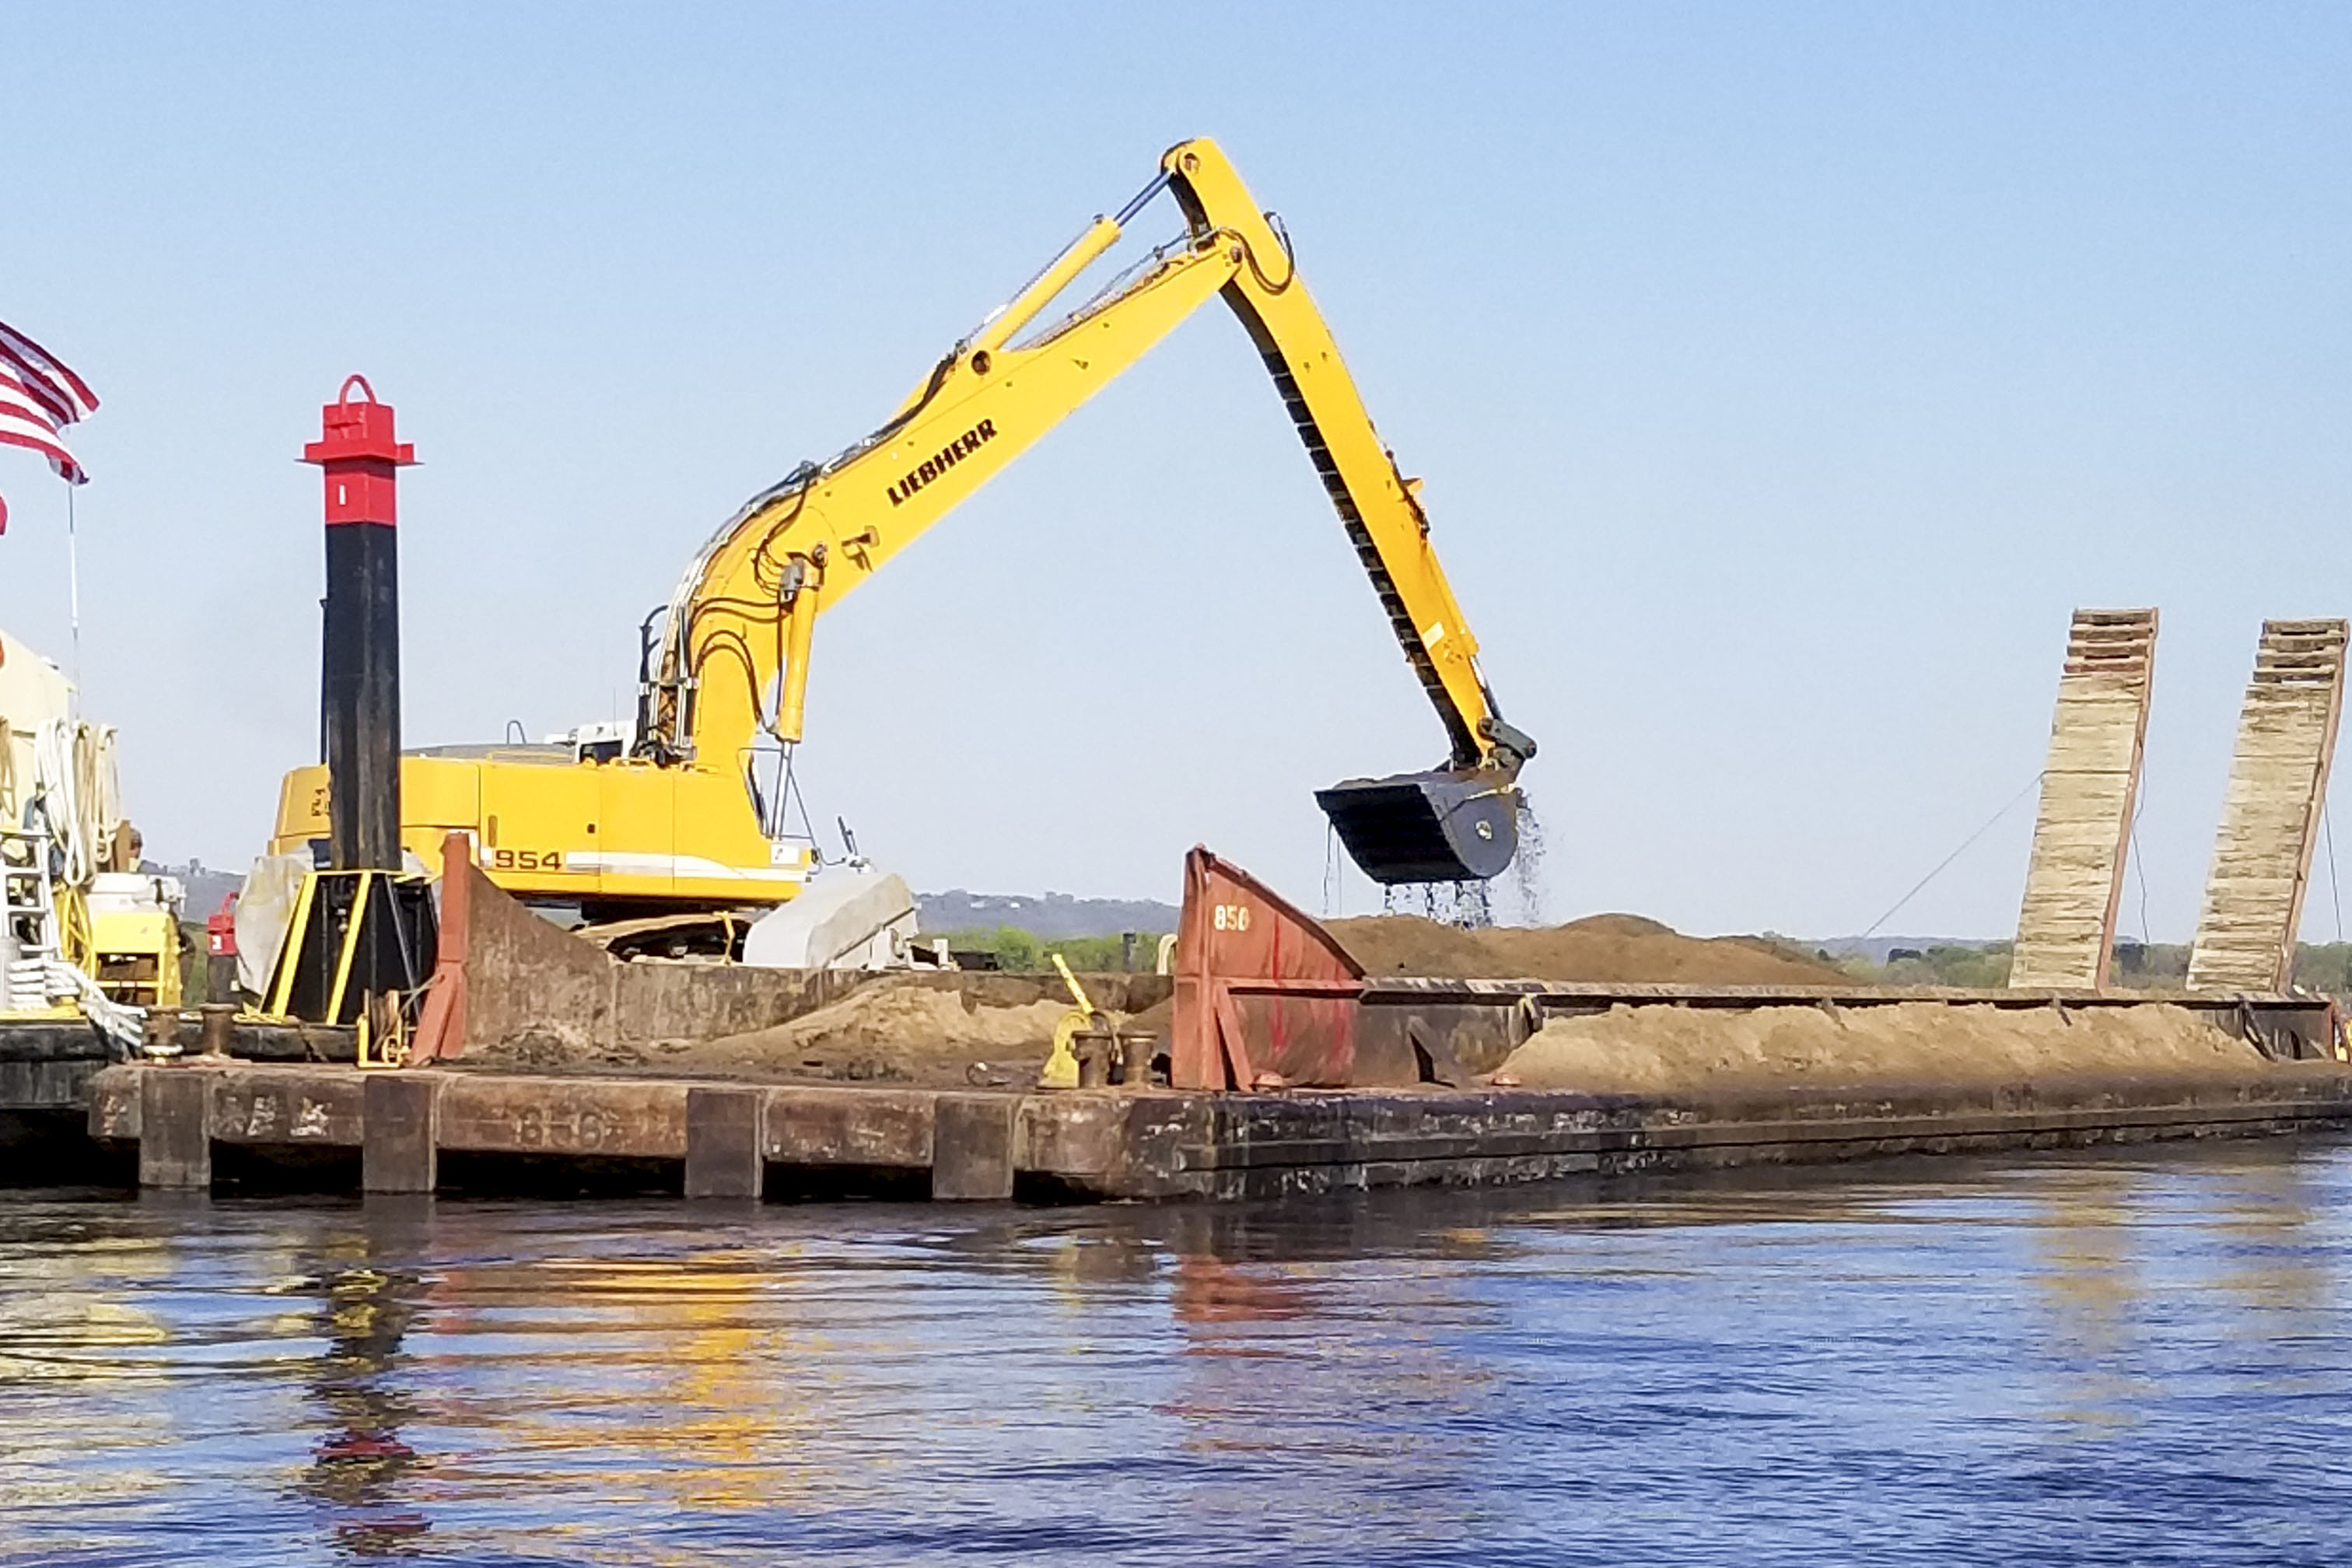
359 1463
2131 1357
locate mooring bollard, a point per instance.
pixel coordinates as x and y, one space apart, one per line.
219 1027
725 1139
971 1147
160 1034
1135 1060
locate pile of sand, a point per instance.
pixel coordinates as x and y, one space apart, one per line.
1654 1049
1610 949
901 1034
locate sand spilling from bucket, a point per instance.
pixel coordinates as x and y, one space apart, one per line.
1668 1050
1609 949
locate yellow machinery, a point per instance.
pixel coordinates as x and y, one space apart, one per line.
673 816
348 929
134 938
1061 1070
82 931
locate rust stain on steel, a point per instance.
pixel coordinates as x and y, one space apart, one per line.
263 1105
1224 1147
1077 1132
850 1127
114 1104
1261 987
441 1031
248 1104
512 1115
1164 1144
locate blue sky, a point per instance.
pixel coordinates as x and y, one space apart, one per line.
1781 378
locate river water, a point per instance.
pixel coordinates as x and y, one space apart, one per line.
2132 1357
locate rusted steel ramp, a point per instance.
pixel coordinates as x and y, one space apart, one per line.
2075 881
2271 816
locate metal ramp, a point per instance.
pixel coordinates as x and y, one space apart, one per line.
2074 879
2271 816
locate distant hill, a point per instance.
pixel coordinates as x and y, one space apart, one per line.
1052 916
205 885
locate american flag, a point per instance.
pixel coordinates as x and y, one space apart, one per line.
39 395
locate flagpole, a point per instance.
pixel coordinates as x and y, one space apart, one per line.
73 596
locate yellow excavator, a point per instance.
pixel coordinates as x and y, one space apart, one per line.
668 816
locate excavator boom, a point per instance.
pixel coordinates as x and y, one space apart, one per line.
739 628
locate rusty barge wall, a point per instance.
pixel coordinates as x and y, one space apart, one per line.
531 984
733 1140
1290 1071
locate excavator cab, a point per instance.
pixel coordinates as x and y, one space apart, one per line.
1443 826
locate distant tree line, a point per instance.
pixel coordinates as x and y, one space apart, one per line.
1012 948
2135 965
1958 963
2139 966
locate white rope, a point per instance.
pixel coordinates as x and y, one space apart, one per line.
124 1024
59 780
74 770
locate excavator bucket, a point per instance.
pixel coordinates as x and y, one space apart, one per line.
1439 826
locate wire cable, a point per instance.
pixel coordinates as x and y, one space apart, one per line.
1955 855
2334 895
2138 866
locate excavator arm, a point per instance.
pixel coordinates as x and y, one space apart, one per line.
732 663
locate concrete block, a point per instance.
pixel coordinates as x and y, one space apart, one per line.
972 1147
724 1153
175 1132
400 1136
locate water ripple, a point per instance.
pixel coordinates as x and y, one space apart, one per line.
2126 1358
